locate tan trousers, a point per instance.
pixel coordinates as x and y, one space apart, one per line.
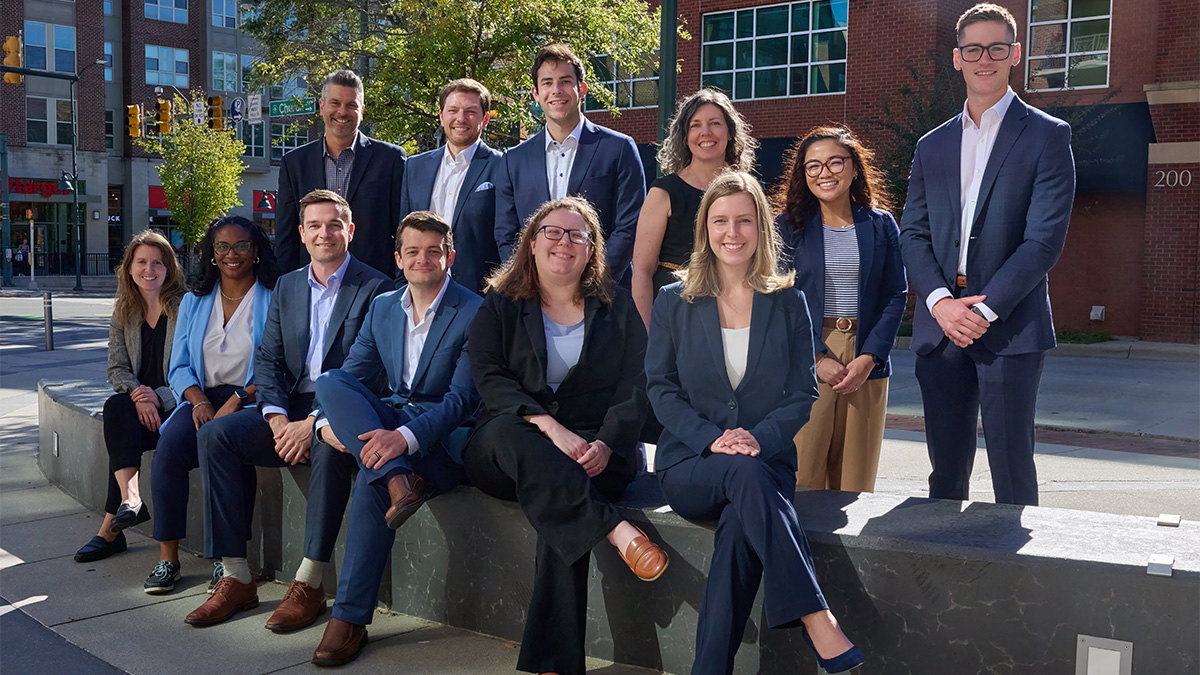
839 447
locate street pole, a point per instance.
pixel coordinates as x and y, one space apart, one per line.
667 36
5 220
75 191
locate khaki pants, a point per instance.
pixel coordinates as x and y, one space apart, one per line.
839 447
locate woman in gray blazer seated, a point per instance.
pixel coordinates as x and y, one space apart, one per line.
150 285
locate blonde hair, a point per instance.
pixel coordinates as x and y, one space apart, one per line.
130 304
700 278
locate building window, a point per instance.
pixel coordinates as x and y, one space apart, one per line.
254 139
225 13
167 10
166 65
224 71
629 88
110 129
1068 44
48 41
38 128
796 49
285 139
247 74
288 89
108 62
107 7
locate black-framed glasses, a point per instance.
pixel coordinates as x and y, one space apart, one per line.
555 233
997 51
834 164
242 247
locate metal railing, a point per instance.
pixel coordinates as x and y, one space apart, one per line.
63 264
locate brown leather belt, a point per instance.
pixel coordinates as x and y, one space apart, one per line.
961 281
672 266
842 323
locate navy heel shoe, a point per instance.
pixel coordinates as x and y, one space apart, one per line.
844 662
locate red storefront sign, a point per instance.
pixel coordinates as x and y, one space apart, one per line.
33 186
158 198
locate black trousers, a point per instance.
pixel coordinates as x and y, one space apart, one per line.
509 458
125 439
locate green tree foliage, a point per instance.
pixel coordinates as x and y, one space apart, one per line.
405 50
201 170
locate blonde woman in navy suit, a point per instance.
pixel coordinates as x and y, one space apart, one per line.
730 376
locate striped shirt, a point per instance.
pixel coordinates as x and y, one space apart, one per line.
841 272
337 170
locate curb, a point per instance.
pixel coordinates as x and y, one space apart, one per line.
1120 348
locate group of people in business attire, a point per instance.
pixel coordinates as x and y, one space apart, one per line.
748 340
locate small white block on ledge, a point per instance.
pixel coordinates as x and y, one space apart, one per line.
1168 520
1160 565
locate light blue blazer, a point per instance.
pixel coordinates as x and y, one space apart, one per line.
187 351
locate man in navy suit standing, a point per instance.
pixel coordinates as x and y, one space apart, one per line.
571 156
366 172
989 200
455 181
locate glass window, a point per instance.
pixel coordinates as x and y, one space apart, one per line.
284 139
247 74
630 88
254 139
108 62
174 11
36 126
107 7
110 131
47 120
1068 44
166 66
792 49
224 71
225 13
36 45
64 49
290 88
62 121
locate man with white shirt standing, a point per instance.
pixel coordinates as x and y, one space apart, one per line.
455 181
571 156
312 322
989 200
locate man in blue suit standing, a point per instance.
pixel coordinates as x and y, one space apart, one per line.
455 181
311 325
571 156
989 200
409 445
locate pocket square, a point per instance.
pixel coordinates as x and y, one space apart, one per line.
485 186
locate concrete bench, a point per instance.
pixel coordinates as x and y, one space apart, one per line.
923 586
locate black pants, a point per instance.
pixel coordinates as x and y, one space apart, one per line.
509 458
126 439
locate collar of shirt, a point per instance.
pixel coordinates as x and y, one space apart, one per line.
997 111
335 280
353 146
407 304
463 158
571 140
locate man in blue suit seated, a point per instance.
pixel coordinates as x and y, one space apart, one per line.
571 156
311 324
989 200
409 445
455 181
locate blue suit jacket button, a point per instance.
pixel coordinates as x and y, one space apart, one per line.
732 404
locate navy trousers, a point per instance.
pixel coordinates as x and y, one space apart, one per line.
352 409
758 539
956 385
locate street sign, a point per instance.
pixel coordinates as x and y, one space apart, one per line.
198 112
254 114
237 109
305 106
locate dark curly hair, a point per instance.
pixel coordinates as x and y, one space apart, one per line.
266 269
793 196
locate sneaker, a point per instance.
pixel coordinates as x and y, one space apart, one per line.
218 572
162 578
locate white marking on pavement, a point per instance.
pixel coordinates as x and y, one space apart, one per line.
5 609
8 560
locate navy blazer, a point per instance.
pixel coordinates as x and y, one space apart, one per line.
476 246
281 360
690 390
442 388
373 193
607 172
882 288
1020 227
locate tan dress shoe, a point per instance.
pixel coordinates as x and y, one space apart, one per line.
301 606
228 598
408 493
645 558
341 643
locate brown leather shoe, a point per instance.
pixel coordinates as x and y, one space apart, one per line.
408 493
645 558
341 643
301 606
229 597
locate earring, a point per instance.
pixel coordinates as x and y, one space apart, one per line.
255 260
213 261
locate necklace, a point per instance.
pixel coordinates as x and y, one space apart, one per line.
229 298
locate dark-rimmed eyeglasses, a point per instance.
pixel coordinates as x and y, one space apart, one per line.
555 233
834 164
242 247
997 51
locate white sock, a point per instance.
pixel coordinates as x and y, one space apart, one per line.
237 568
311 572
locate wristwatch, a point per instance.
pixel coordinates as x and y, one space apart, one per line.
979 312
242 395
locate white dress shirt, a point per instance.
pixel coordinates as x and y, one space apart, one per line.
229 347
320 308
414 344
560 157
977 143
452 171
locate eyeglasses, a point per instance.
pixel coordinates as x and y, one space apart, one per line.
242 247
998 51
555 233
834 164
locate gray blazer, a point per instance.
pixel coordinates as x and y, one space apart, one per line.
125 358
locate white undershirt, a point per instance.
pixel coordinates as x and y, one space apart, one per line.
736 345
228 347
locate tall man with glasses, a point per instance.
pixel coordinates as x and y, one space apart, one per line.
989 200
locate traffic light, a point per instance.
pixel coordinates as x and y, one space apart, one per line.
216 113
13 56
134 114
164 117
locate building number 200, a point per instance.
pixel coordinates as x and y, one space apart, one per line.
1174 178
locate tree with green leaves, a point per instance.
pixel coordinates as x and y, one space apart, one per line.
405 50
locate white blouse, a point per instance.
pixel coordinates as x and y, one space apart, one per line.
229 347
736 344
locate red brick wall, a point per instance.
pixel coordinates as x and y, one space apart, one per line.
137 32
1176 122
89 91
1171 248
1178 40
12 112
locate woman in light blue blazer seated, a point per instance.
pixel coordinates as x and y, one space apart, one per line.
219 327
730 376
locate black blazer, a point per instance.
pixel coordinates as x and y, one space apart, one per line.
374 196
603 397
280 361
691 393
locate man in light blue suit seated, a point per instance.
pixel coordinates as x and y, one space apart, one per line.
455 181
571 156
408 445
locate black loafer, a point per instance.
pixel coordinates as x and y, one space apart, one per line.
100 548
127 517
